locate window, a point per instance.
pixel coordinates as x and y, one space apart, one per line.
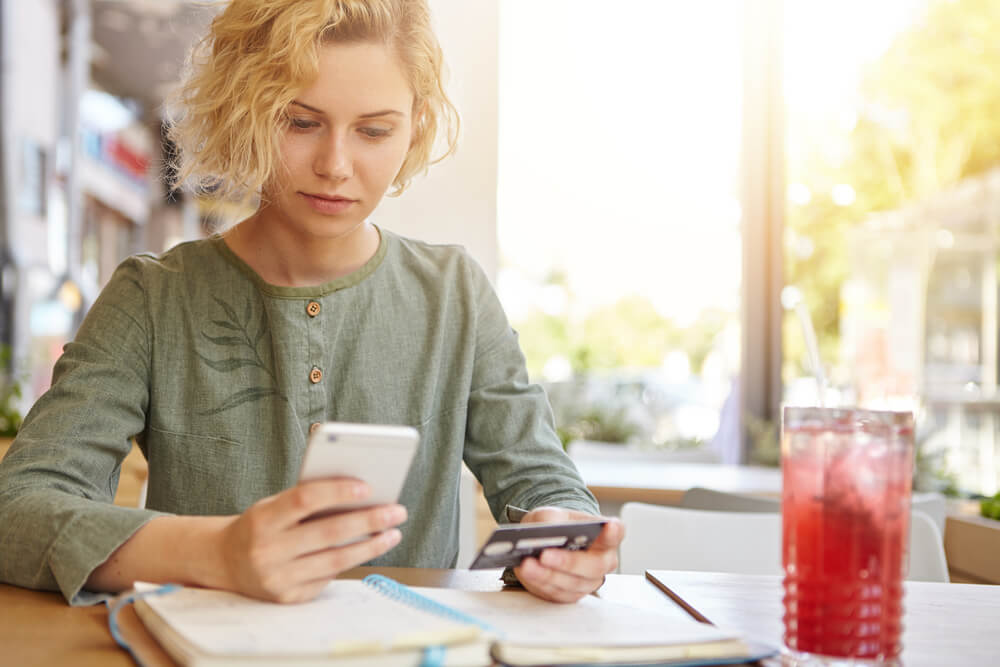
893 147
619 214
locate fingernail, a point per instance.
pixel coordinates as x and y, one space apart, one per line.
359 491
392 537
394 514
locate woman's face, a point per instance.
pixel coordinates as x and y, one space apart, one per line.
346 138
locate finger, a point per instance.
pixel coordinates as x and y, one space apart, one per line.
546 515
299 594
562 580
577 515
327 564
307 498
610 536
590 564
550 584
327 532
558 515
302 579
535 578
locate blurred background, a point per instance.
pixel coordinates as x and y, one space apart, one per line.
660 190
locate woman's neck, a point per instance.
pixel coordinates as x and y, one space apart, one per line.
282 257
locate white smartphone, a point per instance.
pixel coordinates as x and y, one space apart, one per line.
378 455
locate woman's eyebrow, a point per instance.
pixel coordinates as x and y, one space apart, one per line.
307 107
385 112
372 114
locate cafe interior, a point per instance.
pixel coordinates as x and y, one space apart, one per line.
783 240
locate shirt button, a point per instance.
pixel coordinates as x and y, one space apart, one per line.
314 427
313 308
315 375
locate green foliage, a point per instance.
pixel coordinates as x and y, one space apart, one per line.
928 119
592 409
542 337
10 393
943 74
598 424
990 507
930 467
628 334
765 440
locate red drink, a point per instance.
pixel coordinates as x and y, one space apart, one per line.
846 513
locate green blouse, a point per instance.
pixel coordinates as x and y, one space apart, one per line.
218 376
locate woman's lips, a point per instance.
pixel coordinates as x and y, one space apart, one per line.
328 205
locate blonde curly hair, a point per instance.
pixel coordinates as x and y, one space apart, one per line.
227 115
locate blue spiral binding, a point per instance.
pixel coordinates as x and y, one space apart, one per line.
397 591
433 655
120 603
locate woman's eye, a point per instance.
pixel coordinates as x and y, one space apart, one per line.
302 123
375 132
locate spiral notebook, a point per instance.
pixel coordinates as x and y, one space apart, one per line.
378 622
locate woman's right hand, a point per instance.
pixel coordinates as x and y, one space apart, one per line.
274 551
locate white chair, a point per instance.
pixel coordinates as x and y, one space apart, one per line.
933 505
674 538
927 558
700 498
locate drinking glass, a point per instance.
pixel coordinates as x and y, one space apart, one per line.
847 475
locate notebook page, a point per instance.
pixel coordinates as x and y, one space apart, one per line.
348 617
522 618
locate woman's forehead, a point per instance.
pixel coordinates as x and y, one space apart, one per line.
359 77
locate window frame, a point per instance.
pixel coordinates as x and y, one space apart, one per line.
762 198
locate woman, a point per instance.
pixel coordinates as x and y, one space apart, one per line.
219 355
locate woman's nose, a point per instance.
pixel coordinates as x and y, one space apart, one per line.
334 160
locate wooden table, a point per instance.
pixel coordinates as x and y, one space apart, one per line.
944 624
41 629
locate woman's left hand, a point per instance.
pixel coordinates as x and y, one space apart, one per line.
560 575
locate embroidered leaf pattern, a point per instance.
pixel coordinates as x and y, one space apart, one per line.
225 325
261 328
241 344
226 365
245 396
229 309
224 340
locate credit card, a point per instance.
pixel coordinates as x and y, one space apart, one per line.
510 543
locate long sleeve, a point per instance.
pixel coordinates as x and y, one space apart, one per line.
209 368
511 442
57 482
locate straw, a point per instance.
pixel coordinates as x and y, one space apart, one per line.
812 350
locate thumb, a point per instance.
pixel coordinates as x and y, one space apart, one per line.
611 535
548 515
